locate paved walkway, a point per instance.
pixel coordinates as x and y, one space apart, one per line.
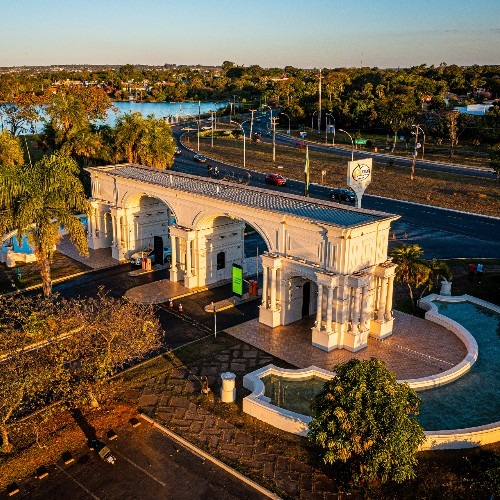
97 259
278 460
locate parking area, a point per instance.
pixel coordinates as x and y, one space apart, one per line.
149 464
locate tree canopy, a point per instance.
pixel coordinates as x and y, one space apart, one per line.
364 424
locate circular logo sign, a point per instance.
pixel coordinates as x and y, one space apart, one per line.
360 173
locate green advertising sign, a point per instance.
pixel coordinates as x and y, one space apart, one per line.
237 280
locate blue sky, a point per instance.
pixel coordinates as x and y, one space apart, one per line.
307 34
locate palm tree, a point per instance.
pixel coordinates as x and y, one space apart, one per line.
11 152
437 271
412 268
38 199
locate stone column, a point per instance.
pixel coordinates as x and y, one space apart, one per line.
173 242
364 305
188 258
382 299
265 277
319 306
273 289
329 309
390 291
356 308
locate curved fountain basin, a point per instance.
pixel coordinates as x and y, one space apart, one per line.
259 404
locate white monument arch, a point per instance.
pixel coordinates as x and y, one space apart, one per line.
323 259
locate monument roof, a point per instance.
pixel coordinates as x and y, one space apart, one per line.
287 204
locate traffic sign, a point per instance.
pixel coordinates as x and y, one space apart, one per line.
359 141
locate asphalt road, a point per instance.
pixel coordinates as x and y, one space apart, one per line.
149 465
442 233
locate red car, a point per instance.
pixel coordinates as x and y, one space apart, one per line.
275 180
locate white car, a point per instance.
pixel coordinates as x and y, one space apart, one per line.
136 258
206 127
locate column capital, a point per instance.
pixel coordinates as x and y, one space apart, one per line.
327 279
358 279
386 269
270 260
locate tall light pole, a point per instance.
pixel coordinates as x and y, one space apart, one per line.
199 117
251 122
319 109
312 119
212 115
288 122
352 143
270 113
417 128
274 120
244 142
329 115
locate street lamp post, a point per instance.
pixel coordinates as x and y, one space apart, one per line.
212 116
270 113
352 142
312 119
244 142
199 117
417 128
273 121
288 122
327 123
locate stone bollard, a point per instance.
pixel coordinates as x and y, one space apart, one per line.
228 389
445 288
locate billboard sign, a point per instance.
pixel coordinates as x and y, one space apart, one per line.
359 176
237 280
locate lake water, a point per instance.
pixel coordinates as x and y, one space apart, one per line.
170 110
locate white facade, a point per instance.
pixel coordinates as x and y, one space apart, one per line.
323 258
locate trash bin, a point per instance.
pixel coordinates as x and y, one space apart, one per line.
228 389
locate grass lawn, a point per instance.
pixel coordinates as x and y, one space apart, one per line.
440 189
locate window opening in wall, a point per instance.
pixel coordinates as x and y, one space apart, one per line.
221 260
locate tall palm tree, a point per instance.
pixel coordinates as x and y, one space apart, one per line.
411 269
38 199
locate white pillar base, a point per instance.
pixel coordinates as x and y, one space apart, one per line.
269 318
381 328
190 281
176 274
355 341
326 341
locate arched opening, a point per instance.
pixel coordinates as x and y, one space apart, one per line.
218 242
301 298
146 226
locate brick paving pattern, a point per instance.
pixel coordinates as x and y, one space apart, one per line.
417 348
276 459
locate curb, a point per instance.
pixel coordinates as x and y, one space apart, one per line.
206 456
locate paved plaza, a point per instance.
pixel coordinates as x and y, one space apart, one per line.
280 461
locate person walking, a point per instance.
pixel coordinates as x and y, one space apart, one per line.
472 271
479 272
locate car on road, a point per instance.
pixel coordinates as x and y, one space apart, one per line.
136 258
177 151
199 158
342 194
275 180
206 127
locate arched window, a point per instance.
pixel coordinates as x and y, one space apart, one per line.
221 260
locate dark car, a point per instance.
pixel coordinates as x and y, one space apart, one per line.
275 180
199 158
177 151
342 194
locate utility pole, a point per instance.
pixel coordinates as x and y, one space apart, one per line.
319 110
273 121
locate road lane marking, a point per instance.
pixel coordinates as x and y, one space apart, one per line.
78 483
154 478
